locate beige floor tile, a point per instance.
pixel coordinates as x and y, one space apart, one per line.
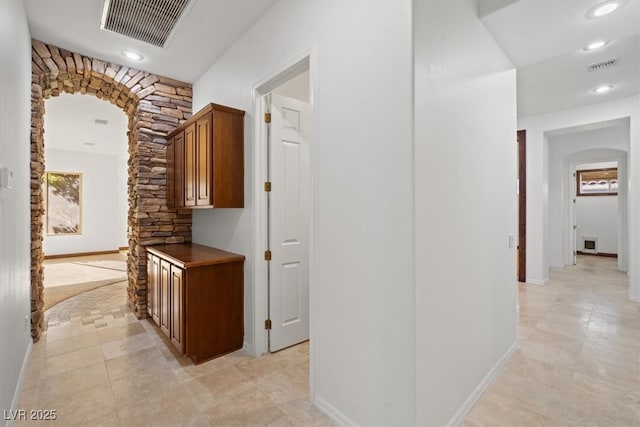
57 388
85 405
114 333
107 420
70 361
249 407
70 344
127 345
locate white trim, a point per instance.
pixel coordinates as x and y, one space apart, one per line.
23 370
536 282
301 62
468 405
247 347
334 413
634 298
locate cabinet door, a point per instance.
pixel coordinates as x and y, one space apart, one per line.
204 161
177 308
153 287
171 175
190 165
179 170
165 296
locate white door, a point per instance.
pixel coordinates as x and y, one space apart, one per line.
289 213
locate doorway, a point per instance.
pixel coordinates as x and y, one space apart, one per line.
284 208
522 205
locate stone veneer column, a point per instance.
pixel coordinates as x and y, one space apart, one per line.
155 105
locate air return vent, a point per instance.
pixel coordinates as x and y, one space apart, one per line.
604 64
150 21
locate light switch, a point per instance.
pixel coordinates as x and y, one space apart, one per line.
512 240
6 178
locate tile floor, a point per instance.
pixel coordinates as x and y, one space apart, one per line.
97 365
578 364
578 358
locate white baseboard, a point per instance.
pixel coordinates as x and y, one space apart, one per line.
334 413
23 370
466 407
536 282
247 347
634 298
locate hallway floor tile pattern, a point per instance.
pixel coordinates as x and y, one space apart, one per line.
578 356
97 365
577 364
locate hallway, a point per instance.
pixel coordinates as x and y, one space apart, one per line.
578 358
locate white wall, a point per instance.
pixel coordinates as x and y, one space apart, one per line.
297 87
567 149
101 204
15 235
597 217
537 180
362 344
466 207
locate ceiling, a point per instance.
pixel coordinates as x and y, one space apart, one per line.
70 123
543 38
206 30
545 41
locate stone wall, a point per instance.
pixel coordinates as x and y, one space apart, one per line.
155 106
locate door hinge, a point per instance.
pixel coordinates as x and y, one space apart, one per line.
267 117
267 324
267 186
267 255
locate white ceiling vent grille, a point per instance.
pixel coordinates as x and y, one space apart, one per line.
150 21
604 64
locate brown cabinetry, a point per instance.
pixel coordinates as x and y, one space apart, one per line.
200 298
205 160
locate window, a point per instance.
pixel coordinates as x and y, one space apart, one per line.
63 195
597 182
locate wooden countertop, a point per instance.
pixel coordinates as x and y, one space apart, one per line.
187 255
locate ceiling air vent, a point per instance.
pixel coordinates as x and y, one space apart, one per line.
101 121
604 64
150 21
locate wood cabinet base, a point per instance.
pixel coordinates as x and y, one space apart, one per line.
200 291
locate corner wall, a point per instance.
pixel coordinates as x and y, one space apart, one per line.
362 292
537 181
465 209
15 86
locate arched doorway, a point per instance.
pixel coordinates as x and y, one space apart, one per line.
155 105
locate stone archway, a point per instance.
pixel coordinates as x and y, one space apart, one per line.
155 106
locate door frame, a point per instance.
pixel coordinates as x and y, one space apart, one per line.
522 205
306 60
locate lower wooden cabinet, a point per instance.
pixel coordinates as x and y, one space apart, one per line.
195 295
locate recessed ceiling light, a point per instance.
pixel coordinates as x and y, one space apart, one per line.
603 89
134 56
604 8
596 45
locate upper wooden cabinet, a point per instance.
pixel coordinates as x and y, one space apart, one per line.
205 160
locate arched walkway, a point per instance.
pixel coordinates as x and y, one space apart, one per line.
155 106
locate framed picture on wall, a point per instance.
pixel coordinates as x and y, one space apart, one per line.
597 182
63 203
